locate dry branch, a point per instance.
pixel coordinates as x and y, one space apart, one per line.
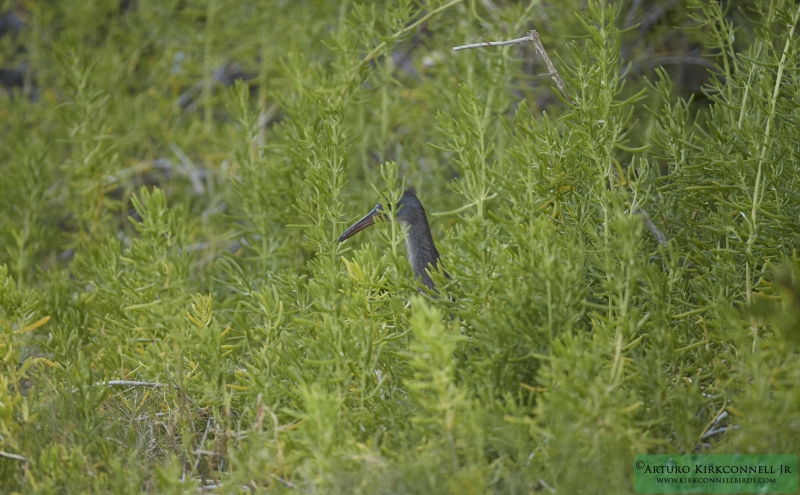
493 43
533 36
202 443
126 383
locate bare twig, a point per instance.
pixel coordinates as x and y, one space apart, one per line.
493 43
660 237
533 36
129 383
285 483
716 431
550 67
189 169
544 484
16 457
717 417
720 418
126 383
202 442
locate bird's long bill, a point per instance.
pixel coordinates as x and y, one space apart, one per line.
362 224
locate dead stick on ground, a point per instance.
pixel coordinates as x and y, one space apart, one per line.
534 37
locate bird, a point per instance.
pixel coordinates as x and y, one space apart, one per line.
422 251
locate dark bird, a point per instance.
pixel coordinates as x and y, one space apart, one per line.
411 215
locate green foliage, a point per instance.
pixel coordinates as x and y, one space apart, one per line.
176 311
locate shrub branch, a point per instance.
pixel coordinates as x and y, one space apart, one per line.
533 36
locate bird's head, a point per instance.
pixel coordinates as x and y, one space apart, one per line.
409 210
